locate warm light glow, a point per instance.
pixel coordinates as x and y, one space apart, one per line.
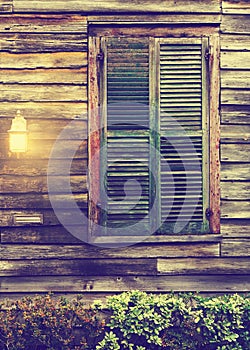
18 134
18 142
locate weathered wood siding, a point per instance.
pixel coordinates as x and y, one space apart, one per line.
44 73
235 128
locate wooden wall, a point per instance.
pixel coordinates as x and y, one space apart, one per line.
43 66
235 128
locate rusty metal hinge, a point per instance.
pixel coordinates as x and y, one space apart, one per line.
208 213
100 56
207 54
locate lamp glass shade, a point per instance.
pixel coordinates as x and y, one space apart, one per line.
18 134
18 141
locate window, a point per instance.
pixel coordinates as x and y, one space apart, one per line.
153 132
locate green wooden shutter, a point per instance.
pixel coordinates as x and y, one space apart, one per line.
126 114
154 93
183 129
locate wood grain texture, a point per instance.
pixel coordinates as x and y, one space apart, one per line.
78 267
235 97
169 18
235 172
38 23
44 76
235 42
236 6
77 128
235 247
236 79
235 115
235 153
214 176
152 30
33 43
6 216
235 228
235 60
38 234
102 284
45 110
237 133
235 24
56 234
39 201
94 133
235 209
218 266
41 149
39 167
235 190
38 184
139 251
42 93
116 6
72 60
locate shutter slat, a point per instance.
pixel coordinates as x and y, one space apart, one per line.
127 158
181 104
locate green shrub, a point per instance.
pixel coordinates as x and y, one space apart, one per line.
130 321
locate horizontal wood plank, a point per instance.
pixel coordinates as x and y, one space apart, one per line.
235 42
7 217
45 110
93 284
171 18
238 132
56 234
235 115
235 152
235 190
232 171
72 60
235 79
77 128
78 267
235 60
235 209
236 7
33 43
235 247
154 31
197 266
116 6
23 167
43 24
235 24
39 234
41 149
38 184
235 97
46 93
139 251
235 228
44 76
38 201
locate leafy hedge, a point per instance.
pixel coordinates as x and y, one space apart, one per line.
133 321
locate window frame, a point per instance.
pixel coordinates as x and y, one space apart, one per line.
94 142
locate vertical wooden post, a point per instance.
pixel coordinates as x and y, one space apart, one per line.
214 133
94 136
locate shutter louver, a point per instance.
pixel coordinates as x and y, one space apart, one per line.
182 129
127 136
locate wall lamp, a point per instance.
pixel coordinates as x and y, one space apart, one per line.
18 134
